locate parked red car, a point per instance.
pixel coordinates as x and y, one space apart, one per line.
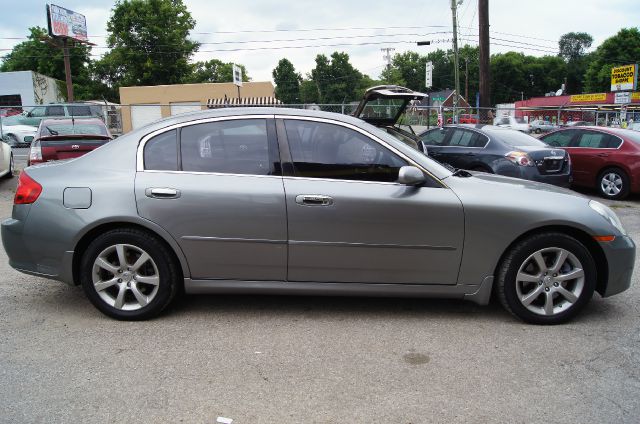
6 112
58 139
466 118
605 158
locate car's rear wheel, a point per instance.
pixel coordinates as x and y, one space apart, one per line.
546 279
613 183
129 275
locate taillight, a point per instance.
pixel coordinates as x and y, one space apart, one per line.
35 155
27 191
519 158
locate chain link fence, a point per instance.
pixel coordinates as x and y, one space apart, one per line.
535 120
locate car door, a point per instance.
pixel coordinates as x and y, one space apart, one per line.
216 187
350 221
434 140
589 154
464 148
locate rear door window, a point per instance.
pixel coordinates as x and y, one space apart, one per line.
231 147
593 140
466 138
79 110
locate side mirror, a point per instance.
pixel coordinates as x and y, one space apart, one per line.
410 175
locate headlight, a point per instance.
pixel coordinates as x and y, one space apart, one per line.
609 215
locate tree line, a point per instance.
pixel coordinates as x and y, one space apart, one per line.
149 44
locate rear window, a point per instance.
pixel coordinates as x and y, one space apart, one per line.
54 129
79 110
382 108
514 138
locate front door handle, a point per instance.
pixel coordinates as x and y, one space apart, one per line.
162 193
314 200
603 155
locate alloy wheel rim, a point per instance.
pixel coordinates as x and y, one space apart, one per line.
125 277
611 184
550 281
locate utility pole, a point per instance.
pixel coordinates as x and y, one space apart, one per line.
456 73
387 56
466 79
67 69
484 77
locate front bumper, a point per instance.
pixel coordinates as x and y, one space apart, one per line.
621 256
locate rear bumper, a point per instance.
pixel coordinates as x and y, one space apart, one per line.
21 257
621 255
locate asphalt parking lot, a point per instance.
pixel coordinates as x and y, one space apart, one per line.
274 359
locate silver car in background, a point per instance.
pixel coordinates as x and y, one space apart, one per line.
283 201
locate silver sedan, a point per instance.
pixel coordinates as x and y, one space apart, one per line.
281 201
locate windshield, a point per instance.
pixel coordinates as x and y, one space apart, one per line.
11 120
513 138
70 129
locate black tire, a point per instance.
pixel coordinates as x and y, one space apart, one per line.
10 173
166 270
538 131
519 255
623 188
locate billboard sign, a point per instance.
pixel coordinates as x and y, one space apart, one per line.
65 23
237 75
624 78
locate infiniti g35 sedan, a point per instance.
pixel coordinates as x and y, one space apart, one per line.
282 201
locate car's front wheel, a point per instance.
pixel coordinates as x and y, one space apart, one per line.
546 278
129 275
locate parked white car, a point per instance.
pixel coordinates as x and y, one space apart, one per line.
18 135
514 123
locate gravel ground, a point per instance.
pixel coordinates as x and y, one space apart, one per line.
270 359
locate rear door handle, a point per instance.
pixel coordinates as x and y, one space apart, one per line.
314 200
162 193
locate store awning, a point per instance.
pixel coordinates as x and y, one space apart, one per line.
243 101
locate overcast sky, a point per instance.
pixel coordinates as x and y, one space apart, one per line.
532 27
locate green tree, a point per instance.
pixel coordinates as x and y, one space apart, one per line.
336 79
309 91
40 56
515 76
621 49
149 43
287 82
407 69
214 70
573 46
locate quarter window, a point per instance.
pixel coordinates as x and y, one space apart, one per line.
161 152
323 150
231 147
37 112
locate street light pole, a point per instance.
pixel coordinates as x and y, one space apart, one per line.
456 73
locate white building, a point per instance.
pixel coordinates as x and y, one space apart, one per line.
28 88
